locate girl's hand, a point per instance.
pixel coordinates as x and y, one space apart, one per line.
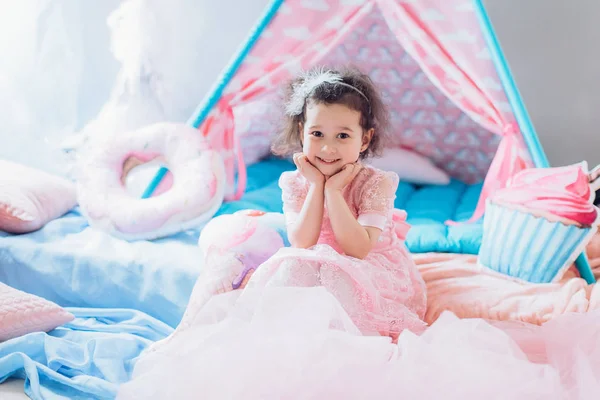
309 171
340 180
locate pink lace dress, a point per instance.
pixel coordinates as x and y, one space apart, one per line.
383 293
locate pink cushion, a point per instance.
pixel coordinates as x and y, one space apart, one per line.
22 313
30 198
410 166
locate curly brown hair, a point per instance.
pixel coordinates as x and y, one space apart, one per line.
374 113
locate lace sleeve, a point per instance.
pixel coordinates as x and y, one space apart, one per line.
293 194
377 199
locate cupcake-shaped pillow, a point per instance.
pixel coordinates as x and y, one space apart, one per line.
535 228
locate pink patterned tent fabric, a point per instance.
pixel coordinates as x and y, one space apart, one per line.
428 57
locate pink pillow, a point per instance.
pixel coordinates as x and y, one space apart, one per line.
410 167
22 313
30 198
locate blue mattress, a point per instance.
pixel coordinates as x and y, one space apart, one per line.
428 207
75 266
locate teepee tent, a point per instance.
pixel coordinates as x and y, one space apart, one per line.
448 88
437 62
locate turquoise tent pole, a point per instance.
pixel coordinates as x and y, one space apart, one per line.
216 91
516 102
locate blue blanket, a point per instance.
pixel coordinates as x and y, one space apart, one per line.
75 266
85 359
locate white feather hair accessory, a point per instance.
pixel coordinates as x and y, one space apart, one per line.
312 80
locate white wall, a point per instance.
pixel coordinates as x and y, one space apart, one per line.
59 70
56 71
553 49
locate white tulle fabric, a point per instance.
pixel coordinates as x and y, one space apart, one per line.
299 343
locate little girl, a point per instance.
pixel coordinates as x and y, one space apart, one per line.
339 212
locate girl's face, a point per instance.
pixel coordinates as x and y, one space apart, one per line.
332 137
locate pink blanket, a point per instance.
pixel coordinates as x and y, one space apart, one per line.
456 283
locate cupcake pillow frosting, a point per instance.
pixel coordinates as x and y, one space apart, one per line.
558 194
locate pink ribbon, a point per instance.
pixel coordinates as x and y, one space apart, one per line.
400 225
506 164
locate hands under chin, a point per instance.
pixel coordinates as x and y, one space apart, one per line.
307 170
335 182
341 179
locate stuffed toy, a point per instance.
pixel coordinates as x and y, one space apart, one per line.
249 237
